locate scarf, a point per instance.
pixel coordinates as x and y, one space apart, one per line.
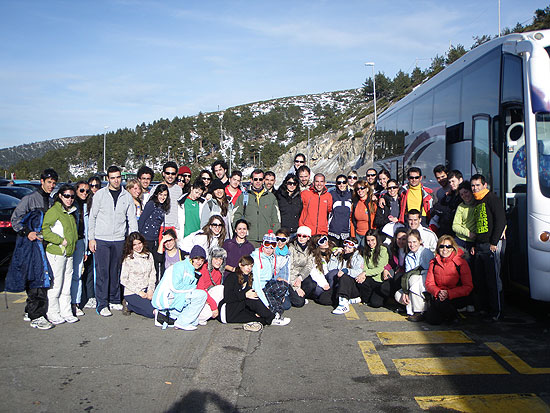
481 194
281 252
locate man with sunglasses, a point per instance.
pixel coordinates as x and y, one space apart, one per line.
184 179
416 196
372 179
112 216
30 275
261 210
317 204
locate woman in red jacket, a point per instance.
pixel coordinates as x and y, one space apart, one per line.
449 281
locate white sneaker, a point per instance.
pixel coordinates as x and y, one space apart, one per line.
280 321
117 307
253 326
356 300
306 301
202 323
105 312
56 320
71 319
92 303
188 327
79 312
341 309
26 317
41 323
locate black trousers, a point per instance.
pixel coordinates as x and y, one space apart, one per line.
486 293
152 246
37 302
235 313
88 280
373 292
440 311
348 287
322 297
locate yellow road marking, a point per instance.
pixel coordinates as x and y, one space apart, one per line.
394 338
383 316
374 362
352 314
521 366
485 403
21 300
447 366
21 293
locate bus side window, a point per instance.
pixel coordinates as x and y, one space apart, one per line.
481 156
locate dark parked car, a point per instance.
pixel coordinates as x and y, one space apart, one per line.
15 191
7 234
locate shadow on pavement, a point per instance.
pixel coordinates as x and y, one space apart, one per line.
200 401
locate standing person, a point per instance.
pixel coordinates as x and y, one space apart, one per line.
443 211
184 179
177 296
138 276
218 205
269 181
339 224
440 173
134 188
371 178
383 177
351 275
299 160
151 221
429 239
145 176
360 212
28 270
449 281
464 222
233 190
416 196
190 208
95 184
60 232
220 169
240 303
389 212
352 179
317 203
169 172
168 251
88 277
79 255
301 262
413 281
112 215
206 177
290 203
304 175
490 225
211 282
238 246
261 211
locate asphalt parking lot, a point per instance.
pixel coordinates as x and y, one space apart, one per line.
368 360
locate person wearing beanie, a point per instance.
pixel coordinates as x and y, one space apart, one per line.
177 297
184 179
211 282
301 262
218 205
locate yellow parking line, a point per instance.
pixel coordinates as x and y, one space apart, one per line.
352 314
21 300
518 364
485 403
374 362
394 338
383 316
448 366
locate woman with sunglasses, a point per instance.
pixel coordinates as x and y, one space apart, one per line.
339 219
417 262
95 184
388 212
449 282
352 179
212 235
88 276
271 290
206 177
134 187
300 263
362 212
290 203
60 232
350 272
218 205
79 256
319 285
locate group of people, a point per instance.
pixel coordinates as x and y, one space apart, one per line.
187 251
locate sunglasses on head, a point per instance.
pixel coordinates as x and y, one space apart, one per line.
269 244
322 240
446 246
68 196
350 244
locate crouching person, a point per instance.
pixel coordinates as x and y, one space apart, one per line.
449 281
211 282
176 297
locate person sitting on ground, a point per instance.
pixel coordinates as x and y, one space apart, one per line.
283 255
237 246
138 276
270 289
176 298
240 303
376 287
301 262
395 268
319 285
218 205
211 282
352 275
449 281
210 236
169 251
417 262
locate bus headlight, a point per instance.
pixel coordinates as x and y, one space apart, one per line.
545 236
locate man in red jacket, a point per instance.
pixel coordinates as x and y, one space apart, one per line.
317 205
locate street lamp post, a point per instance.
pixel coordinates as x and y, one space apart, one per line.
104 145
373 87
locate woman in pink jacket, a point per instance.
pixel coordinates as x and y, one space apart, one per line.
449 281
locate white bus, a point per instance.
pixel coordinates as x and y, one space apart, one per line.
487 113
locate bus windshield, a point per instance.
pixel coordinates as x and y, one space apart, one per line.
543 146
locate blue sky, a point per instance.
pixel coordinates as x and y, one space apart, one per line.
72 67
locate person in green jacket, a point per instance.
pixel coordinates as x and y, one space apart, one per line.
464 222
60 233
374 289
260 210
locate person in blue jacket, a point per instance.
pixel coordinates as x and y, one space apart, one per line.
339 219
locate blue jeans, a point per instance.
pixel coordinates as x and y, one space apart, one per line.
78 267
